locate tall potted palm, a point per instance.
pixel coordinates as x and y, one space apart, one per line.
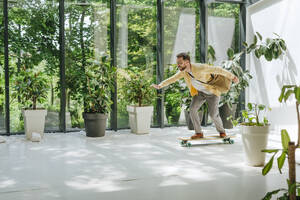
96 89
140 95
31 87
287 152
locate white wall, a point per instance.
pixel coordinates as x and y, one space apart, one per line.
281 17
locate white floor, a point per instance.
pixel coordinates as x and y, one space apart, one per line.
131 167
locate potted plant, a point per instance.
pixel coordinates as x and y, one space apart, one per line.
287 152
139 94
255 132
32 87
99 82
229 101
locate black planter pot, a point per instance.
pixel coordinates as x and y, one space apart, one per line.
189 120
95 124
225 112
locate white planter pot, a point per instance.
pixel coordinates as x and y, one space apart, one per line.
34 121
140 118
255 139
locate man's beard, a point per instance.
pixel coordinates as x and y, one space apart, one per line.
182 69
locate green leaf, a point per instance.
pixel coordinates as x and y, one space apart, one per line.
270 150
281 160
288 94
249 105
259 35
297 93
268 54
268 166
282 45
283 91
261 107
255 39
285 139
266 121
245 44
270 194
230 53
257 53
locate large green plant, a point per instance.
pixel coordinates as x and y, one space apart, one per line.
136 88
233 65
99 82
271 48
287 151
31 87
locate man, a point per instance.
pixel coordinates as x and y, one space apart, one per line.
197 77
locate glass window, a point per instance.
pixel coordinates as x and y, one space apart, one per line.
136 47
34 60
181 34
87 40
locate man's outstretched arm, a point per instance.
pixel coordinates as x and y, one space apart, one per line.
169 81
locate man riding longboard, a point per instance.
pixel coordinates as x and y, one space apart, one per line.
206 83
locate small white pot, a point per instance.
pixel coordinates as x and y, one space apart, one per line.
255 139
140 118
34 121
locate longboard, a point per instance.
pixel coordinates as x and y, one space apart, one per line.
185 141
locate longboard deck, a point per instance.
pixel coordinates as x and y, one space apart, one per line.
186 141
209 137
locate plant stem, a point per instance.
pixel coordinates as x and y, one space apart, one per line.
298 116
34 103
292 169
256 111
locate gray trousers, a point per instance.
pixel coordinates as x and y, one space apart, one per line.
213 111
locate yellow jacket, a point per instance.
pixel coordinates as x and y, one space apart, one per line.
203 73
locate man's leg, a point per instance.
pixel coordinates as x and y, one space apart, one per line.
213 110
196 103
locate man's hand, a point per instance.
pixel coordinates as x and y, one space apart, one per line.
236 79
156 86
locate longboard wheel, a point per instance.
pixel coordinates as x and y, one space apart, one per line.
189 144
231 141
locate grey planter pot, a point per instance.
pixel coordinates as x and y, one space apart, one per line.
95 124
189 120
225 112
